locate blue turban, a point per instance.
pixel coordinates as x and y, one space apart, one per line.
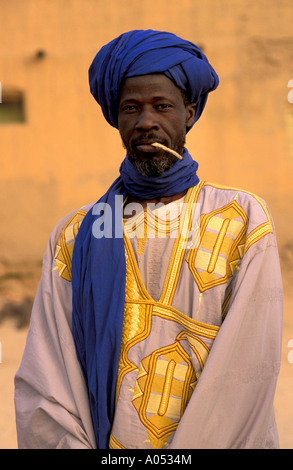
142 52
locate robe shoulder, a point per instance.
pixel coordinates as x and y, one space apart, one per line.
62 240
251 208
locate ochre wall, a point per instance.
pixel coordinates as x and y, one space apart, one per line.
65 155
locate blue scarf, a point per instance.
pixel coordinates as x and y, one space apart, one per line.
98 283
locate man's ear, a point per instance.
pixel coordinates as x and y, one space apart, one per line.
190 114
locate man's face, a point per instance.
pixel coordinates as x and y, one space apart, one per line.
152 109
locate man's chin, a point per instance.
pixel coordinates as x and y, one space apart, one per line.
152 166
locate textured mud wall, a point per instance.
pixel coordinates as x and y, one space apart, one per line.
64 155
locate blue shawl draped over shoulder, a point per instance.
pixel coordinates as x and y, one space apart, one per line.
98 282
98 264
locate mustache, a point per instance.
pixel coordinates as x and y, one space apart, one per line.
148 138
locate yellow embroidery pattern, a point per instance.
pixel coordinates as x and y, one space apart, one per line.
165 379
169 373
146 224
261 230
181 244
226 304
114 444
196 327
65 244
221 246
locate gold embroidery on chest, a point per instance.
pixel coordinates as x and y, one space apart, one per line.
221 246
166 379
163 380
137 317
146 224
164 385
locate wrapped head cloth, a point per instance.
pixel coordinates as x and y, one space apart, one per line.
142 52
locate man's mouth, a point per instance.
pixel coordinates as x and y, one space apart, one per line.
145 146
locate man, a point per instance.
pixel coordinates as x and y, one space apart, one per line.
155 326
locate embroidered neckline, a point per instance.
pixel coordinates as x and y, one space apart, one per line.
177 255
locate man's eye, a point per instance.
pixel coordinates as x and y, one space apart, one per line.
129 108
163 106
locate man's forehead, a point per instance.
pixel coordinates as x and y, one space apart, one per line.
151 83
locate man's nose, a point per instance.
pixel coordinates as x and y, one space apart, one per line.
147 120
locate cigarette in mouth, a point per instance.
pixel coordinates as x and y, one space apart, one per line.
161 146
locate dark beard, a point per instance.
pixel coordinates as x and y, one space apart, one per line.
154 166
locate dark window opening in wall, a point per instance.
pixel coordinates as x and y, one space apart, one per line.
12 107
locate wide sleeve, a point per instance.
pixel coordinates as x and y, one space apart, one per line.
232 405
51 399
